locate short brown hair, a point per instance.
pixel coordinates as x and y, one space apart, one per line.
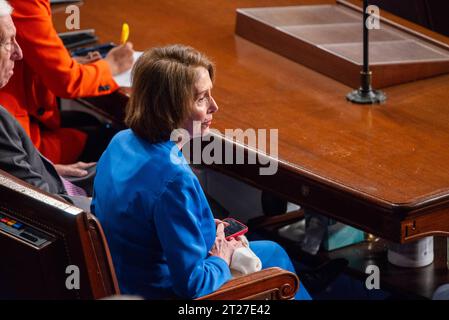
163 90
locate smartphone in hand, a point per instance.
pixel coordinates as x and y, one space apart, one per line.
234 229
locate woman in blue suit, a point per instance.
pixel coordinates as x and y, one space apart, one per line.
161 232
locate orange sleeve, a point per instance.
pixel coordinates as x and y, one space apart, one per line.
46 55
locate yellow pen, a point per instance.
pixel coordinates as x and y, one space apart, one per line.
125 33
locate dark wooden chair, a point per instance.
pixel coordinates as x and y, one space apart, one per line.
50 236
42 237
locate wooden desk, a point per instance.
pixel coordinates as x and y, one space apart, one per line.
382 168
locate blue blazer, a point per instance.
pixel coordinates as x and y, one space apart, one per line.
157 220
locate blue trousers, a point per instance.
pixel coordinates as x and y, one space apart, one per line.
273 255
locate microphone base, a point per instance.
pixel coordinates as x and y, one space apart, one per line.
366 97
365 94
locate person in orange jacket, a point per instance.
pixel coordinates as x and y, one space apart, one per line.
48 71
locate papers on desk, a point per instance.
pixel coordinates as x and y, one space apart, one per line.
124 79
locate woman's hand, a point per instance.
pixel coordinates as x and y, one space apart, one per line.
223 248
73 170
218 221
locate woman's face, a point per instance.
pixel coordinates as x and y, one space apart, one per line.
204 106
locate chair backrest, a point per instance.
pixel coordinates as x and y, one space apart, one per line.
50 249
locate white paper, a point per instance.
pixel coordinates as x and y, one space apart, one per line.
124 79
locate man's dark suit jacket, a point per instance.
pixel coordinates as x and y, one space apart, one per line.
19 157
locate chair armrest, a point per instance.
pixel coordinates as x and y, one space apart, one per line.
267 284
106 283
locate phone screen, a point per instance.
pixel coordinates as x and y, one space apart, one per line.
235 228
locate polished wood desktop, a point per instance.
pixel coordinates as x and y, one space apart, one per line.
380 168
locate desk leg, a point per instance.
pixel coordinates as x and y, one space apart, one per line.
440 253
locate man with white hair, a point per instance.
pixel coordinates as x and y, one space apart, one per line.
18 155
10 50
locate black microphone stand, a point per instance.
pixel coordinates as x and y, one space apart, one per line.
365 94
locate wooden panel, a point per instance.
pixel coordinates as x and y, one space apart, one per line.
437 12
328 39
412 10
431 14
